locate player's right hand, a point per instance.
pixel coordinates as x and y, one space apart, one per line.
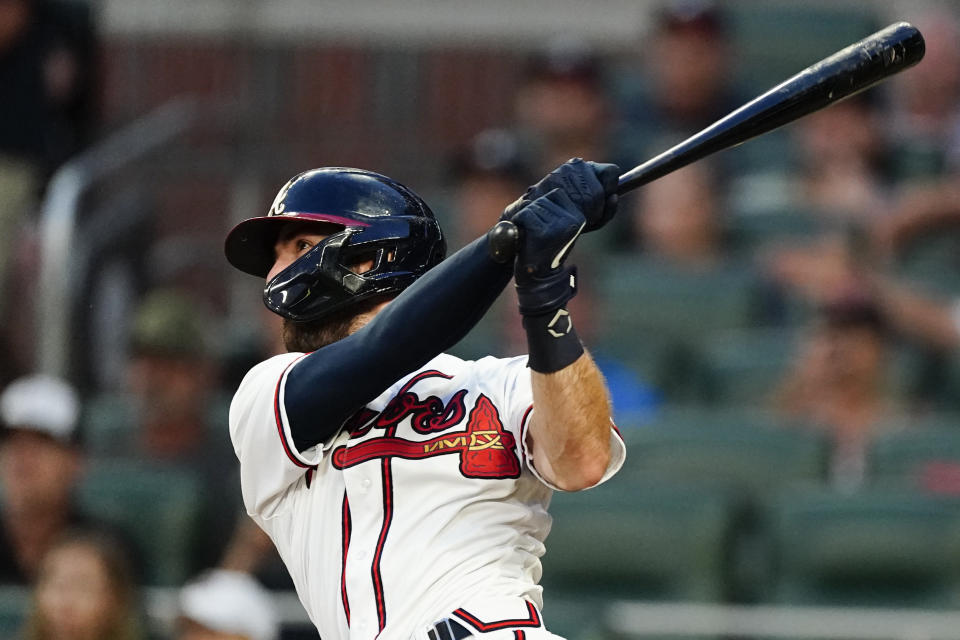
591 186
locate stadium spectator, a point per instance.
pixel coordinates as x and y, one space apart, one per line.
226 605
921 210
47 83
47 70
679 219
485 176
685 84
842 157
815 272
838 382
820 271
172 376
925 120
172 415
40 465
85 590
562 108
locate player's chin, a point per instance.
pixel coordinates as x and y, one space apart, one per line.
303 337
309 336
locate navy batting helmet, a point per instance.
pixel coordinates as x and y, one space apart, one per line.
374 218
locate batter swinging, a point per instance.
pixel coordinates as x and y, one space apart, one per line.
406 489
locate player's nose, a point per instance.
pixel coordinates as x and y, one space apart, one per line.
278 265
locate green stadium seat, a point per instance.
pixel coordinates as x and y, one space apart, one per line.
923 454
747 364
109 423
876 548
14 609
157 508
777 40
640 540
574 614
655 317
749 231
644 295
751 451
932 260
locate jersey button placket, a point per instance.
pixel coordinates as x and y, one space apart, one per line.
368 518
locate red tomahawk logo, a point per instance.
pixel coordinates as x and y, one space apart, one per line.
490 451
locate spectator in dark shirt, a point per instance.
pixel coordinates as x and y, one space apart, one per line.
685 84
46 109
46 79
838 382
171 415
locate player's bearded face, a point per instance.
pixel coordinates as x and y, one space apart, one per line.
310 336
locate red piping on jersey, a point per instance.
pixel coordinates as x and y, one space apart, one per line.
378 554
523 432
431 373
532 621
519 635
615 428
279 420
346 547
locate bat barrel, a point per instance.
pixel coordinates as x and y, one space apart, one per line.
845 73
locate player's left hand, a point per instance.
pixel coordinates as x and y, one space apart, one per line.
549 227
591 186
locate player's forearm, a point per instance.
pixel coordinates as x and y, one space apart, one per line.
429 317
917 316
570 425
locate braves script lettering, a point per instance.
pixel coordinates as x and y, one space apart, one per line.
486 449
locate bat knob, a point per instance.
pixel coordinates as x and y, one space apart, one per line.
502 241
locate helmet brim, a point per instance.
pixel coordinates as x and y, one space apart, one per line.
250 245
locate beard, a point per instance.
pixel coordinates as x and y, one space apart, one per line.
304 337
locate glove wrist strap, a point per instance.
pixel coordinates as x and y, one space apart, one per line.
542 295
552 341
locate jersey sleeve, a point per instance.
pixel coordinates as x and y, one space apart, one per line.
518 400
260 431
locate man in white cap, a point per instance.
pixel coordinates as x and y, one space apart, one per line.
226 605
40 465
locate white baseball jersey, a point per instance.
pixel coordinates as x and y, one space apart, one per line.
424 506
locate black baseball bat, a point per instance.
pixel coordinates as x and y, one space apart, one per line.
841 75
845 73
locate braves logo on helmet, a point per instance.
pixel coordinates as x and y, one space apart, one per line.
279 205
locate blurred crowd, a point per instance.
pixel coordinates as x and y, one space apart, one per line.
811 275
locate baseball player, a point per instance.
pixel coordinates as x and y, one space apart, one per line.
405 489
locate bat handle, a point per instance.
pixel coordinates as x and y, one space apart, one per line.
503 240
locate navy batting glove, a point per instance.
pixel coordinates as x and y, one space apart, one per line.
549 227
591 186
